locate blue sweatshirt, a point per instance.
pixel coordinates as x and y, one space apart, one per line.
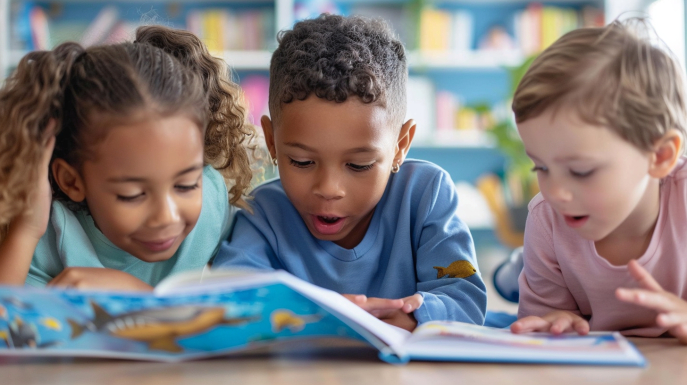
415 243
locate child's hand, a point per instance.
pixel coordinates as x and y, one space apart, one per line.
34 222
397 312
556 322
88 278
27 228
672 310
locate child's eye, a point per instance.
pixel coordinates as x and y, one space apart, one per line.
578 174
186 188
539 168
358 167
129 198
301 164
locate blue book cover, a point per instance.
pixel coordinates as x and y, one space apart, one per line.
193 316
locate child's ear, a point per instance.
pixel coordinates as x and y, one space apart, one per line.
69 180
268 130
665 154
405 138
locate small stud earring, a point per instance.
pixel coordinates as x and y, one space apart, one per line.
274 162
395 168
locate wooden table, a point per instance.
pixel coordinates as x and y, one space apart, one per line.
330 362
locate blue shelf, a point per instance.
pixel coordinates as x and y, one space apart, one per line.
463 163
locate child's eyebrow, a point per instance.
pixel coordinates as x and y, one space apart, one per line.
351 151
570 158
534 158
129 179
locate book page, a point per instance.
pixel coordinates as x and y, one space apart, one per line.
455 340
229 279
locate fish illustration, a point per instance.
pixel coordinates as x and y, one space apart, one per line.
158 328
16 303
285 319
21 335
457 269
3 312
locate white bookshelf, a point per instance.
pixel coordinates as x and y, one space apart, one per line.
464 60
284 18
260 60
248 60
241 60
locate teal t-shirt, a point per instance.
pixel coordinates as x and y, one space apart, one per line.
72 240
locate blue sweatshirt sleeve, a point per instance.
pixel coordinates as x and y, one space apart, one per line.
445 240
251 244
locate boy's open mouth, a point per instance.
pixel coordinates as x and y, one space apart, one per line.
328 225
329 220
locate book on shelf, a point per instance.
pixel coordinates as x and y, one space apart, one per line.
444 30
30 29
193 315
538 26
228 30
99 29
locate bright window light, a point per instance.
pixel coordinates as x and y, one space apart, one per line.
667 17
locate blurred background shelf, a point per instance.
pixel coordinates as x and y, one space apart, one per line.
469 60
464 58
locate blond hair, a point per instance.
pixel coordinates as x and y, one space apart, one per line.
609 76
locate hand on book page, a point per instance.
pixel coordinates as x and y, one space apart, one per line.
396 312
556 322
98 278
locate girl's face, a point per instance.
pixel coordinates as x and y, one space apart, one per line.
143 186
596 180
334 162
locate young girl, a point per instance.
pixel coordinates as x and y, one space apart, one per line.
349 212
145 135
602 115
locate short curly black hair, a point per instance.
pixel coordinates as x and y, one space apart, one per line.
335 57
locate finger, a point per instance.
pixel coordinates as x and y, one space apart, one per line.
356 298
382 304
47 156
384 314
662 302
643 277
412 303
671 319
47 153
561 325
679 332
60 281
581 326
66 278
50 128
530 324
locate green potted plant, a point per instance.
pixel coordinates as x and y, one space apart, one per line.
509 194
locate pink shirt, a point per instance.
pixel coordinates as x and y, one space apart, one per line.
564 272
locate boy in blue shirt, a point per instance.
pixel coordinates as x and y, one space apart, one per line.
349 213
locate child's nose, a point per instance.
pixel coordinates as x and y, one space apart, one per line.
560 193
165 212
329 186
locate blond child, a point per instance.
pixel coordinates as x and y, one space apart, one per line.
602 115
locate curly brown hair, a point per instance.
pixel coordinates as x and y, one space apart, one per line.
335 57
88 90
614 76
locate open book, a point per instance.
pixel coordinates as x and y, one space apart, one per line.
191 316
